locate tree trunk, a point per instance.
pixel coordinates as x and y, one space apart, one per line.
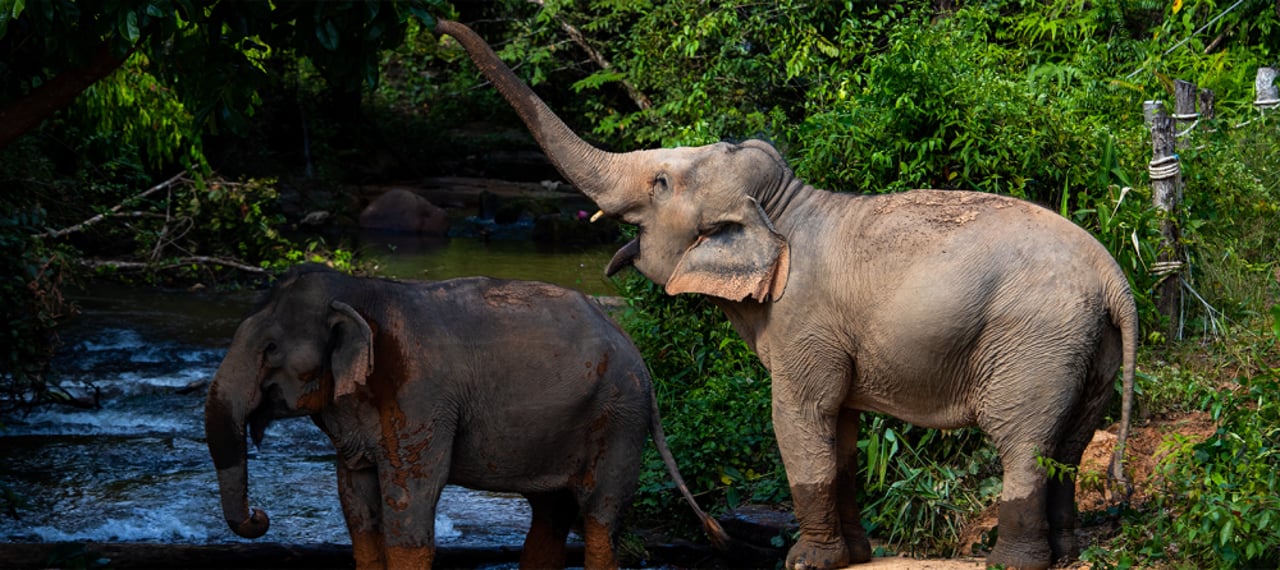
20 116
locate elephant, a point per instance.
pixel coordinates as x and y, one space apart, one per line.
943 308
496 385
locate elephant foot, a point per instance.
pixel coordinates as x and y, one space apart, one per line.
855 540
1063 544
809 555
1024 555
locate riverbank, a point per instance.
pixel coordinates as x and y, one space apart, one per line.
336 556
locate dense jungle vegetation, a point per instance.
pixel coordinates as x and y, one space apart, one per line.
237 115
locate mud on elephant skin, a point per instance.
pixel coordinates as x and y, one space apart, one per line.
496 385
942 308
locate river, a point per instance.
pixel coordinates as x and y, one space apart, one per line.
138 469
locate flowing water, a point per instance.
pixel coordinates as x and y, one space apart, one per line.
138 469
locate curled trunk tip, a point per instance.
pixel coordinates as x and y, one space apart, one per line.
253 527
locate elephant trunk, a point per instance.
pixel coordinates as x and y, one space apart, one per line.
596 172
233 394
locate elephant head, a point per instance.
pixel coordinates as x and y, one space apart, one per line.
288 358
701 211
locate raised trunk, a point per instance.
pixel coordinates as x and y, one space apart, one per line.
232 396
592 170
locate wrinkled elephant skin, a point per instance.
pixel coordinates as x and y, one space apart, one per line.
943 308
496 385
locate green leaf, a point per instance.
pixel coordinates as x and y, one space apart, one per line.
131 31
428 21
595 80
327 35
16 9
1275 321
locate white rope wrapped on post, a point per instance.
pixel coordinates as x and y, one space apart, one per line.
1195 120
1264 86
1162 268
1267 93
1164 168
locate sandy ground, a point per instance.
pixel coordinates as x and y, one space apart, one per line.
903 563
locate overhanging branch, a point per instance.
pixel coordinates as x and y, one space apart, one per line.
19 117
641 100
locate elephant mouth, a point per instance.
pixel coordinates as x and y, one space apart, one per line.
624 257
262 416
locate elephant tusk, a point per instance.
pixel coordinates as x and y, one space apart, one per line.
596 215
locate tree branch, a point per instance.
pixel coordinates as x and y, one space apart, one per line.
179 262
641 100
112 211
26 113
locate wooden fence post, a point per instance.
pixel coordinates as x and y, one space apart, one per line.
1206 104
1184 107
1267 94
1166 193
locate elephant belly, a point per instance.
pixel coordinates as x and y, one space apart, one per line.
922 393
948 417
523 457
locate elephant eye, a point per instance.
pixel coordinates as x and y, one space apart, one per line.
713 229
659 185
271 348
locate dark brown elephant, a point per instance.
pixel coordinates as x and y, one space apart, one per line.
943 308
496 385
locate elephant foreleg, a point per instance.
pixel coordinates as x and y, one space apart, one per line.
855 537
807 439
553 514
411 477
360 498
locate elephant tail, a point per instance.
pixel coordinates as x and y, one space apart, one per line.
1124 314
719 538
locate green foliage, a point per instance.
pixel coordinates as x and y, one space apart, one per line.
33 273
133 109
206 62
921 485
1233 216
945 107
1220 496
714 398
204 228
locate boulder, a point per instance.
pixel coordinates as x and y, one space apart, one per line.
399 210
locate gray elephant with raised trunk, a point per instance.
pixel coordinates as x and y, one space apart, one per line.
495 385
944 308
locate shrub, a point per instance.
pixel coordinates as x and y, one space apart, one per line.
714 397
1219 498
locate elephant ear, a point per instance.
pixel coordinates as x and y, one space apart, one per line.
352 357
750 259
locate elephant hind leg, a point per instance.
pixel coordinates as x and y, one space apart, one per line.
1024 529
1061 508
599 538
553 514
